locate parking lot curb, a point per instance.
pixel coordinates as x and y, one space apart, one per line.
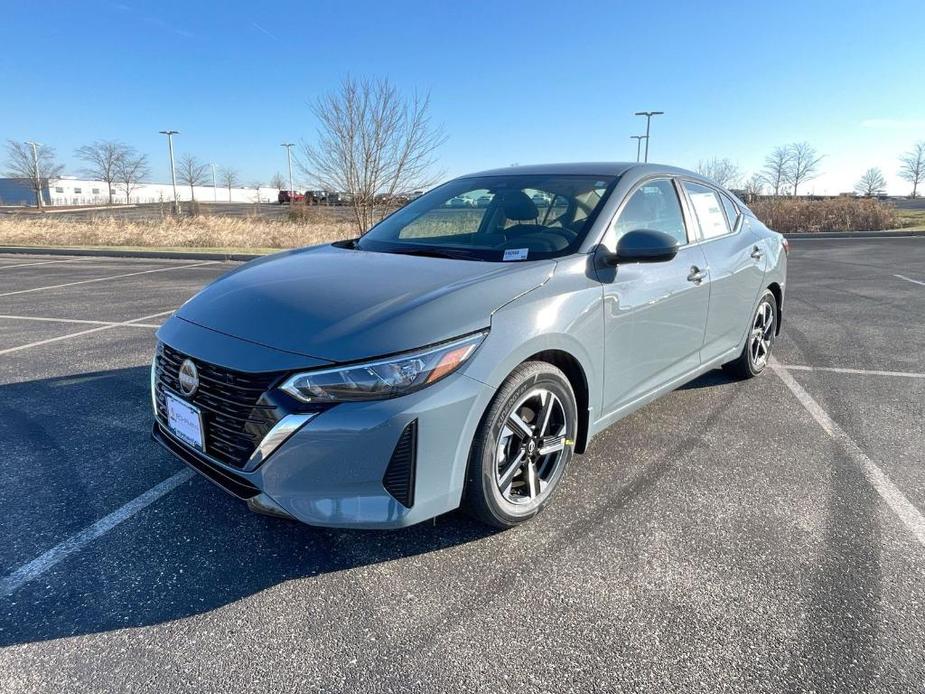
121 253
854 234
241 257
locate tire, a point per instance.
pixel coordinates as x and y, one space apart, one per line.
500 491
754 357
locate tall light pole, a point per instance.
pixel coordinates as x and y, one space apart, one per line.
214 187
288 146
173 170
639 139
39 198
648 115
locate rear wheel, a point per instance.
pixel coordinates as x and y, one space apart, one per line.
522 447
761 333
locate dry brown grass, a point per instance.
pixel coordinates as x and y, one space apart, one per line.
834 214
186 232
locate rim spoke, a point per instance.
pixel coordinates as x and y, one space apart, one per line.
532 479
543 419
504 483
520 428
552 444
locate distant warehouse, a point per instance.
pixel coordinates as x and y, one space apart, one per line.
70 190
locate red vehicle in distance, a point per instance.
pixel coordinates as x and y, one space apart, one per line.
290 196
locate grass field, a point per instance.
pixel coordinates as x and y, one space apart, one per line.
912 219
226 234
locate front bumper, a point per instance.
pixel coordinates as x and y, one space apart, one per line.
330 471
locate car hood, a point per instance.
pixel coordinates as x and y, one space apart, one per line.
341 304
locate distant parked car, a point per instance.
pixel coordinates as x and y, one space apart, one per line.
290 196
540 200
459 202
484 201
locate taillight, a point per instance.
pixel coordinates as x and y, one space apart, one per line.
786 244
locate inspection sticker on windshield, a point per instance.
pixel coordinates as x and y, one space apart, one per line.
515 254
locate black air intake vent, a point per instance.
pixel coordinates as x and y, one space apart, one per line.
399 475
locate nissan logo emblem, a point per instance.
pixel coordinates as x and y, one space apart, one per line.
189 377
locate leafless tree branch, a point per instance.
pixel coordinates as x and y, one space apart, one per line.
36 169
373 144
912 166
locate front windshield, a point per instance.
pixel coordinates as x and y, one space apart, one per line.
496 218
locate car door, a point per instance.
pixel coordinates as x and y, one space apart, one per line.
654 313
737 266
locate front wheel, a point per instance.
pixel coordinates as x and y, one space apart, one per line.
522 447
761 332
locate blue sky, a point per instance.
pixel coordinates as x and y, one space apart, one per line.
510 81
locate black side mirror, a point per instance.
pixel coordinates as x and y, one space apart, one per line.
643 246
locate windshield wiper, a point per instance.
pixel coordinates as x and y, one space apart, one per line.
432 252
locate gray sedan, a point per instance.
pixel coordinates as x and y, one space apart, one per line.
462 356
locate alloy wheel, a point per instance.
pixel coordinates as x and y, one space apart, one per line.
759 345
531 447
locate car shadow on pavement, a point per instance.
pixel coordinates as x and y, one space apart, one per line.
77 449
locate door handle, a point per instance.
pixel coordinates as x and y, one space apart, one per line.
697 275
756 253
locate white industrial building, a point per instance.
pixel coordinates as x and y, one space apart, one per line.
70 190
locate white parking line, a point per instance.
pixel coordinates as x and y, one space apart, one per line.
909 279
840 370
889 492
44 562
110 277
123 324
42 262
80 321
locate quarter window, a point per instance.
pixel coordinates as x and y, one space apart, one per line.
732 212
708 209
654 206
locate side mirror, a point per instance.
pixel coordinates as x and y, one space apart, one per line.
643 246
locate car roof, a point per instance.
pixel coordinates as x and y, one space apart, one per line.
612 168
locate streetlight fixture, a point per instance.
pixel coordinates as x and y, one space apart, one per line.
289 146
648 115
40 199
639 139
173 170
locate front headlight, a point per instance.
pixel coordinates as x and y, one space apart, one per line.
384 378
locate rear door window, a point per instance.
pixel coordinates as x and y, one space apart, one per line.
708 209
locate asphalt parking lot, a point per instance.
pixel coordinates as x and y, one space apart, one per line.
759 536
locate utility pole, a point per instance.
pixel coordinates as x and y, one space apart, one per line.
639 139
648 115
214 187
288 146
173 170
39 198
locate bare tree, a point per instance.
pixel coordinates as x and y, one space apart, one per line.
803 165
871 183
229 178
32 165
754 186
102 158
775 168
192 172
278 181
912 166
722 171
131 170
372 143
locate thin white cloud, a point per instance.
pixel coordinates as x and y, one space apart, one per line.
265 31
894 123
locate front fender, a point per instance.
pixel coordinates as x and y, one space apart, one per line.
564 314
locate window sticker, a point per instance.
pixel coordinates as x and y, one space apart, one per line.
516 254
